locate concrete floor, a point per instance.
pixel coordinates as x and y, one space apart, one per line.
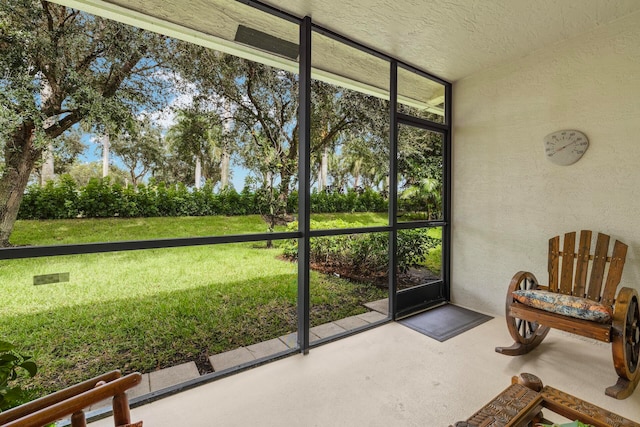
390 376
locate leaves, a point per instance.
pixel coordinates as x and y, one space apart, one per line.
11 364
30 367
5 346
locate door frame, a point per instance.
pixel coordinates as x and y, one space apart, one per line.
403 303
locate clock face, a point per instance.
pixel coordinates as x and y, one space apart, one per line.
565 147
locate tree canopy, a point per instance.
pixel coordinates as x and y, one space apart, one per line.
94 69
65 73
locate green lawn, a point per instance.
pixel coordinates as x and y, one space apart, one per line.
145 310
90 230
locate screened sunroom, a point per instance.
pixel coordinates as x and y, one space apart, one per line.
245 201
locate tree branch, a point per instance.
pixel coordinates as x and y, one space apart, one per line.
259 113
62 125
45 8
119 75
87 60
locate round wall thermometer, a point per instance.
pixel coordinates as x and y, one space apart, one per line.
565 147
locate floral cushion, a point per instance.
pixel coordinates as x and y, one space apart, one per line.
579 308
138 424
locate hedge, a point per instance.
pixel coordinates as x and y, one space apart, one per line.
101 198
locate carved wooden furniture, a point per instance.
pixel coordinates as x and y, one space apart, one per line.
568 272
521 404
73 400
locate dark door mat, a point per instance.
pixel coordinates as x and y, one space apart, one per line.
444 322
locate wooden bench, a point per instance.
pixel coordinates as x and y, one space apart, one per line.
569 270
522 404
73 400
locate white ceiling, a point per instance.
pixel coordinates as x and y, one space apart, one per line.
456 38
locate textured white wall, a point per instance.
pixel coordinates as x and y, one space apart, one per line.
508 200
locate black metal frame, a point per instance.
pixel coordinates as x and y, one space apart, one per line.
393 189
304 233
421 297
304 179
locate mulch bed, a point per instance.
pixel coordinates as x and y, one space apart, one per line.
412 277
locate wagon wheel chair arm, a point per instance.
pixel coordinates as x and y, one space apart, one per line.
625 340
526 334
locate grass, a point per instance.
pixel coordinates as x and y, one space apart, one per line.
367 219
91 230
145 310
433 260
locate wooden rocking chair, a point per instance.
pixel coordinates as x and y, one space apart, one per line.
566 303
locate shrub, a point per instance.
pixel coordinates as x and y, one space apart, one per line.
97 199
53 201
413 247
366 252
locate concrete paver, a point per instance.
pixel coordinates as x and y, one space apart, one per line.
174 375
229 359
372 316
141 389
267 348
327 330
350 323
381 306
291 340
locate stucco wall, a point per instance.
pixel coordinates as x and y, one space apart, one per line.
507 198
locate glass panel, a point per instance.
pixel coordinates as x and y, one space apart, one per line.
419 256
349 136
420 174
194 142
349 282
156 309
420 97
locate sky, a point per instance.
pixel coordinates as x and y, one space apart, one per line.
162 119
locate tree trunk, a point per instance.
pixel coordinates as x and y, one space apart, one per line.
105 155
47 171
226 156
198 173
324 167
224 169
20 156
268 180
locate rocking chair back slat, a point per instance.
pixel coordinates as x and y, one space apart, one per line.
554 258
561 273
568 253
615 273
582 265
597 269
